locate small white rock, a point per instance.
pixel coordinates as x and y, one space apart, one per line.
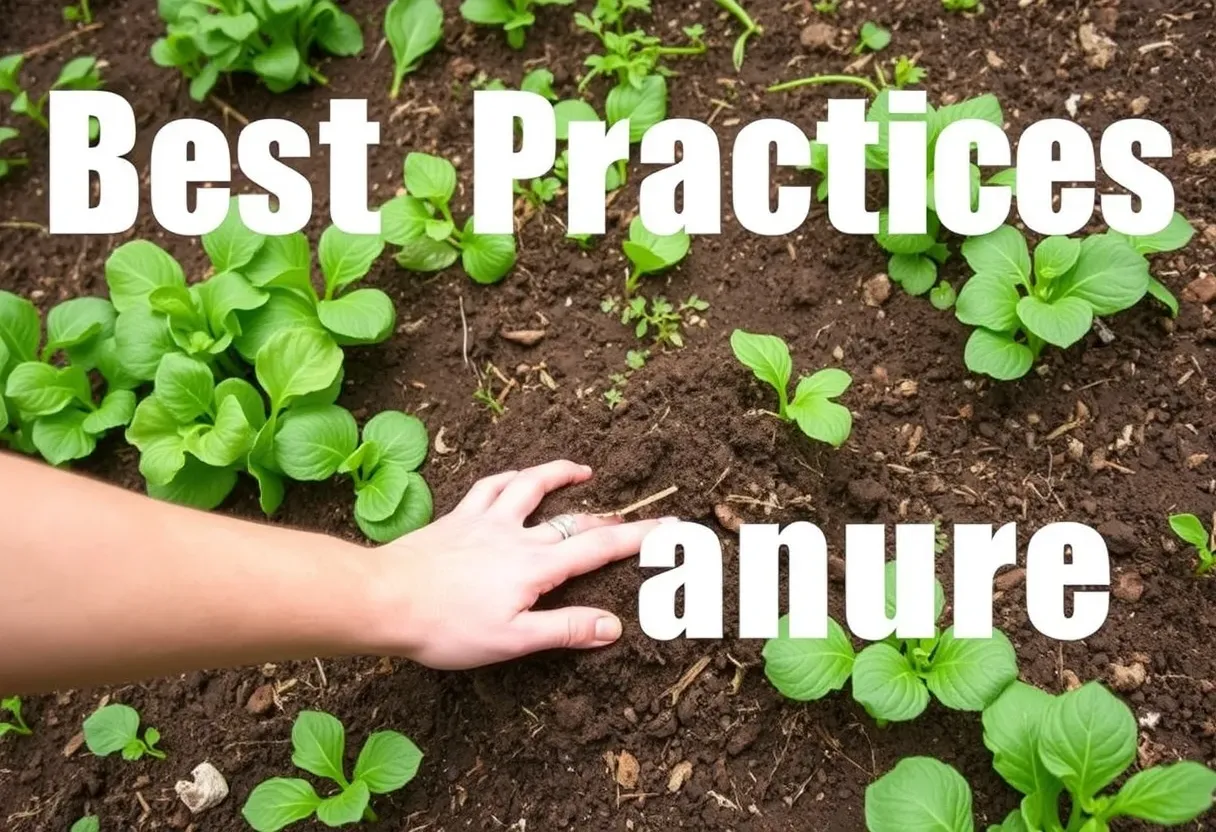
208 789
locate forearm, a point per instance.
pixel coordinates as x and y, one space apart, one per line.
102 585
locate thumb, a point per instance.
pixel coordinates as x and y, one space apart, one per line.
570 627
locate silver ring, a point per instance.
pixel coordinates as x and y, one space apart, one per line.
565 524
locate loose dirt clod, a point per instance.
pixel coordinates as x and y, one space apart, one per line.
679 776
207 790
1129 586
1201 290
818 36
876 290
1127 678
1098 48
523 337
728 518
627 770
261 701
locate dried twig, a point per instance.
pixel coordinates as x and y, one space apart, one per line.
228 110
61 40
641 504
677 690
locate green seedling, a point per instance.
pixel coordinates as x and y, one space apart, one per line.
750 27
1190 529
942 296
828 7
1076 745
88 823
658 318
635 360
318 441
7 163
412 28
273 40
50 408
812 409
539 81
421 223
651 253
1018 307
873 37
83 73
79 13
116 728
539 192
17 726
1174 236
387 761
893 678
906 73
962 5
514 16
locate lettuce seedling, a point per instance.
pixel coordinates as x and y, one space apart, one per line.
12 704
412 28
1177 234
88 823
116 728
386 763
893 678
658 317
1190 529
1076 745
1018 307
514 16
7 163
273 40
48 408
421 223
651 253
83 73
391 498
812 409
78 13
873 37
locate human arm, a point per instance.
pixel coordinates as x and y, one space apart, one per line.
103 585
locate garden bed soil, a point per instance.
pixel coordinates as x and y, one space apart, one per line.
529 745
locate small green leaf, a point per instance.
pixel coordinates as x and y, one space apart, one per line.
806 669
135 269
227 441
278 803
379 495
313 441
364 316
942 296
644 106
73 322
412 514
387 762
422 254
1174 236
115 411
429 177
196 485
403 218
154 431
295 363
989 301
279 64
109 729
141 340
42 389
1062 322
400 438
283 263
412 28
539 81
233 245
61 437
346 258
571 110
1170 795
284 311
346 807
88 823
872 37
914 272
1190 529
1087 739
919 795
1011 732
20 328
768 357
487 12
1159 291
997 355
319 741
968 674
1000 254
818 417
486 257
887 685
1110 275
1055 256
185 387
908 244
650 252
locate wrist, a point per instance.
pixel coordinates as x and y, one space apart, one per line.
383 624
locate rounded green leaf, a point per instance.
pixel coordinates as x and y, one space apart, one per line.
571 110
185 387
919 795
141 340
806 669
196 485
115 411
650 252
1170 795
154 431
279 802
942 296
644 105
88 823
387 762
20 327
135 269
1055 256
283 311
319 741
400 438
968 674
1062 322
997 355
283 263
413 513
765 355
61 437
281 63
412 28
1171 238
914 272
908 244
346 258
887 685
227 293
486 257
42 389
422 254
295 363
1000 254
487 12
313 441
1110 275
250 400
338 33
1011 732
820 418
233 245
988 301
227 441
403 218
827 383
75 321
346 807
1190 528
1088 738
364 316
429 177
378 497
109 729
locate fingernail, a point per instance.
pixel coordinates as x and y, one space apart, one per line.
669 519
607 628
586 469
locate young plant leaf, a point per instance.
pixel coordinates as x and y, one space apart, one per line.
919 795
413 513
768 357
1170 795
109 729
135 269
887 685
817 416
1087 739
430 177
346 258
313 441
278 803
61 437
1055 257
486 257
364 316
232 245
651 253
412 28
185 387
1011 732
644 106
196 485
996 355
969 674
295 363
401 439
1062 322
806 669
318 741
1190 529
914 272
387 761
999 254
1110 275
345 807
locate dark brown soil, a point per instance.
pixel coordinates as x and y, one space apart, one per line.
523 746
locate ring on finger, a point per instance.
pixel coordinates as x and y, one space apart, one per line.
565 524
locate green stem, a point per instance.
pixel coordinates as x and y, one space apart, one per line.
819 80
681 50
740 14
317 76
631 282
369 815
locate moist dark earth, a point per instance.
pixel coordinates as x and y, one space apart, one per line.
1115 435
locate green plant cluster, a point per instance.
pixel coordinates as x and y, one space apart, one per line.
272 39
115 729
893 678
1190 529
515 17
387 761
1051 749
82 73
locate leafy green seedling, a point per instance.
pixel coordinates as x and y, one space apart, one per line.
651 253
48 408
872 37
1174 236
1018 307
659 318
116 728
88 823
1190 529
391 499
83 73
539 81
386 763
893 678
273 40
962 5
412 28
1076 745
539 192
79 13
514 16
750 27
828 7
812 409
906 73
12 704
920 793
421 223
7 163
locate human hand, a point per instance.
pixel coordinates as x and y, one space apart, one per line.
459 593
